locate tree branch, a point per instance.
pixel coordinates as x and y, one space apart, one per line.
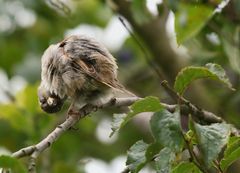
72 119
193 156
35 150
187 107
153 34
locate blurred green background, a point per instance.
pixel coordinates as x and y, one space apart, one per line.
174 33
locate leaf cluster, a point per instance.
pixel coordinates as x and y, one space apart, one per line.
205 144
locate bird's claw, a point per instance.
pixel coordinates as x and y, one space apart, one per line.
72 112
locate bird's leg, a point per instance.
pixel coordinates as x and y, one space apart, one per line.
75 107
72 111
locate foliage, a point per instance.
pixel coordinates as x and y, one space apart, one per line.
136 156
212 139
149 104
168 133
208 31
231 154
189 20
164 160
186 167
166 130
189 74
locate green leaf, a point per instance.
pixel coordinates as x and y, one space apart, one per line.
140 11
12 163
190 74
231 154
212 138
190 18
140 154
186 167
119 120
148 104
152 150
166 129
163 162
136 156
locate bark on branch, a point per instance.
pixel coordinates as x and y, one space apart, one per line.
35 150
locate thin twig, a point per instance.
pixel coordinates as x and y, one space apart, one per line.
73 119
217 166
150 62
201 115
193 156
35 150
198 114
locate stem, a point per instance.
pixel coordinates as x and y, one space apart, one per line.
199 114
217 166
193 156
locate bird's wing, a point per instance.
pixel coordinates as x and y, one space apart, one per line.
90 70
109 81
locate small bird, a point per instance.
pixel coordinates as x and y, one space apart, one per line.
80 69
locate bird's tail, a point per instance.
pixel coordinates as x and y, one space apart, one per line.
121 91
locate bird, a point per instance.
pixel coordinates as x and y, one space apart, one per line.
79 69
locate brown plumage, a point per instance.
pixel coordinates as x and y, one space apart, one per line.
78 68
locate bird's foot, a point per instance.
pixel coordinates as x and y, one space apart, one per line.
72 113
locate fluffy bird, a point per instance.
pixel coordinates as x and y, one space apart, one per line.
78 68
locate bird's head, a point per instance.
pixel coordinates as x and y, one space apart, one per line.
49 102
